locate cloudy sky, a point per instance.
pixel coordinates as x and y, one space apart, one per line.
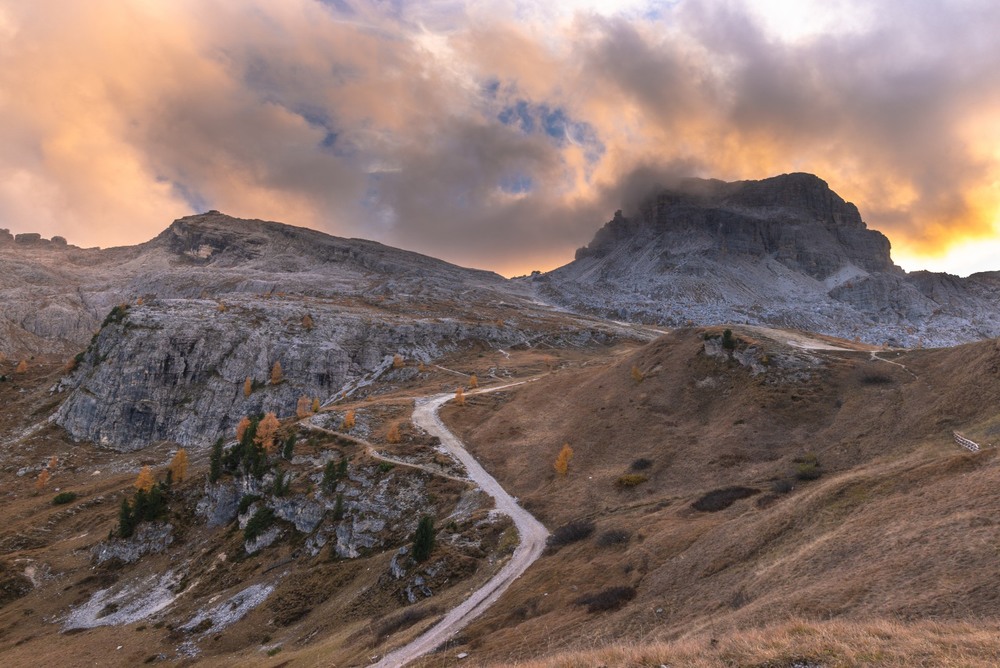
497 134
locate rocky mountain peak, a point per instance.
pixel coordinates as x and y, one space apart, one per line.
794 218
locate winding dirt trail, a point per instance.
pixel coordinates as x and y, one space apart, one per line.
532 538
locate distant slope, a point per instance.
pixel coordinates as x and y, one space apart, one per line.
784 251
54 296
204 312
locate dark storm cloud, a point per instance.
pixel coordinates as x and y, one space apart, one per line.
499 135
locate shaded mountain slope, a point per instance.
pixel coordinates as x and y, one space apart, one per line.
785 251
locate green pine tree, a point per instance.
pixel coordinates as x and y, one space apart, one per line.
126 524
215 465
338 508
423 539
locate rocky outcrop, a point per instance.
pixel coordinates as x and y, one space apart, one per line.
785 251
176 369
149 538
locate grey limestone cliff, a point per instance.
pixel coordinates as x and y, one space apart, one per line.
785 251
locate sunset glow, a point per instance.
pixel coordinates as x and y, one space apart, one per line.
494 134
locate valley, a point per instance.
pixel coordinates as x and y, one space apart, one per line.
391 460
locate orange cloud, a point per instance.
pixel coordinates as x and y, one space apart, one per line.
476 132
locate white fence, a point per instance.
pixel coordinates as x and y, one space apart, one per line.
966 443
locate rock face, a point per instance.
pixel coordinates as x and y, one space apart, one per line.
53 296
224 300
785 251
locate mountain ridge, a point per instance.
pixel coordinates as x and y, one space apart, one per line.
785 251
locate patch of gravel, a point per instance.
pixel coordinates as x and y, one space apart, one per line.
125 602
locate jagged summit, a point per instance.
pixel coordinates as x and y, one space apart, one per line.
794 218
785 251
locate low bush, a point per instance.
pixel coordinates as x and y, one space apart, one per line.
611 598
872 378
630 480
64 497
641 464
808 471
720 499
403 620
728 340
613 537
572 532
782 486
808 467
246 502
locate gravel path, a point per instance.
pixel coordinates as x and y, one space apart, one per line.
532 539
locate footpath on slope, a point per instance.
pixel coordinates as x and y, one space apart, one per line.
531 532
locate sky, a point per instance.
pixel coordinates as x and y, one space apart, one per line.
498 134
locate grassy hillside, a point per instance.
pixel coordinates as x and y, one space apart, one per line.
734 489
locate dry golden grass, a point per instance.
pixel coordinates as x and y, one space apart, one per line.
831 644
900 525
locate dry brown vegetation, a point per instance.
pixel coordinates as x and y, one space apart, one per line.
899 525
831 644
842 570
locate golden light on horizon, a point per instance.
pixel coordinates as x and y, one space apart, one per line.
497 135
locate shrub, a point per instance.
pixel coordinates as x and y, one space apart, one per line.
64 497
728 340
403 620
385 467
613 537
571 532
641 464
808 471
720 499
808 467
782 486
393 436
246 502
611 598
630 480
875 379
259 523
116 315
637 375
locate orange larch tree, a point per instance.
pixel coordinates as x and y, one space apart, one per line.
303 406
242 427
393 436
42 480
562 460
145 479
267 429
179 465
